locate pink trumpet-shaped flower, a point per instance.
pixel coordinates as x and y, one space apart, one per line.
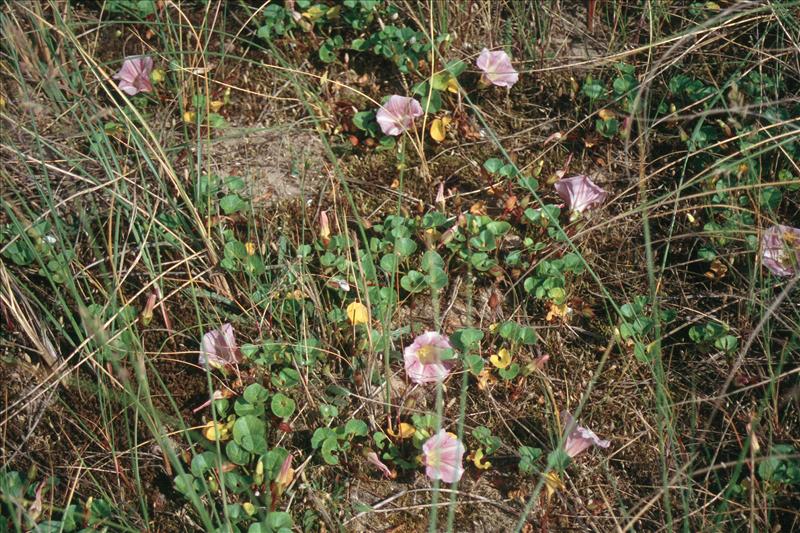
285 475
219 348
580 193
579 438
442 456
134 76
423 358
398 114
324 228
373 458
780 250
497 69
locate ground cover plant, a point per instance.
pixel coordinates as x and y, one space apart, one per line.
400 266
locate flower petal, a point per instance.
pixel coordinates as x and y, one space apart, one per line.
580 193
443 455
397 114
219 349
497 68
134 76
579 438
780 250
429 369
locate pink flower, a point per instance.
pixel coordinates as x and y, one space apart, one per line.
285 475
580 193
398 114
219 348
423 358
373 458
324 228
497 69
777 245
134 76
442 456
579 438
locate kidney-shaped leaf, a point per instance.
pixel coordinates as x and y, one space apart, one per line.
250 432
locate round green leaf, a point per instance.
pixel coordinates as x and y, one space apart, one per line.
329 446
255 393
437 279
282 405
356 427
466 339
405 246
431 259
413 281
328 411
184 483
509 372
287 378
250 432
273 461
202 462
319 436
236 482
236 454
493 165
498 227
389 262
244 408
232 203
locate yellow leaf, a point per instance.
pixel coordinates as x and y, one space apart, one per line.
717 270
216 105
478 208
157 76
404 431
501 359
438 132
215 431
296 294
357 313
452 85
249 508
606 114
486 378
552 484
315 12
477 459
556 311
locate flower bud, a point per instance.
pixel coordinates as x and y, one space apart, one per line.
324 228
285 476
147 313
